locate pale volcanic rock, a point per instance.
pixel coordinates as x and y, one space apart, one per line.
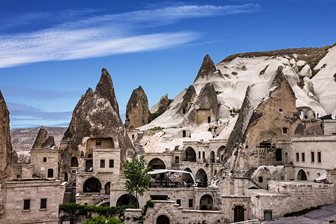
137 112
43 140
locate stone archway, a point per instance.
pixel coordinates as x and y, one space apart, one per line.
206 202
128 200
162 219
186 178
190 154
92 185
301 175
156 164
201 178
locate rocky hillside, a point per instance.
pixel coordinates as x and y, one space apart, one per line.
310 72
23 138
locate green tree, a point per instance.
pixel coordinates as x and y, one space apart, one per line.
103 220
137 177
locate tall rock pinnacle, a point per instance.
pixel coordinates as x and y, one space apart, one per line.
6 152
137 112
96 115
207 68
105 89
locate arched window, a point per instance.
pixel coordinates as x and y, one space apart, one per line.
212 157
302 175
107 187
92 185
128 200
201 178
74 162
190 154
155 164
162 219
206 202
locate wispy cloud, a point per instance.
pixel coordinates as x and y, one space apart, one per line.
109 34
32 116
37 93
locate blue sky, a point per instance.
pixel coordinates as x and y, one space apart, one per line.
52 51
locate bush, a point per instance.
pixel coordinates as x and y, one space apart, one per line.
73 209
103 220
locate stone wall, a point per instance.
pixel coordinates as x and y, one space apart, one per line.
18 191
178 215
43 160
288 197
329 127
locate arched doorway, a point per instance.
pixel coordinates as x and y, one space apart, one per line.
156 164
74 162
128 200
238 213
301 175
190 154
187 179
206 202
107 187
92 185
162 219
201 178
212 157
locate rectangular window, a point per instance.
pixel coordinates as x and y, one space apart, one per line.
177 159
191 203
98 142
44 159
43 204
312 154
102 163
178 201
297 157
111 163
319 157
26 204
199 155
285 130
203 155
303 157
261 179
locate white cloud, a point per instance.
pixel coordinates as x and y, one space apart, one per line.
108 34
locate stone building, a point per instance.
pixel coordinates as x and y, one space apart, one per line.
31 201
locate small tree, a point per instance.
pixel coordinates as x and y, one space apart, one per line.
137 177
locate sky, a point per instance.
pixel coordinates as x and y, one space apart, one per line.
52 51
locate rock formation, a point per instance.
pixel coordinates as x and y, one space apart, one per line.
137 112
6 152
207 68
95 115
188 99
43 140
261 122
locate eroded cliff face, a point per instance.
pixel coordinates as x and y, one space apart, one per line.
260 125
137 112
6 153
96 115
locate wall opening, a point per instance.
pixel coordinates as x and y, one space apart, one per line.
190 154
302 175
238 213
92 185
162 219
206 202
